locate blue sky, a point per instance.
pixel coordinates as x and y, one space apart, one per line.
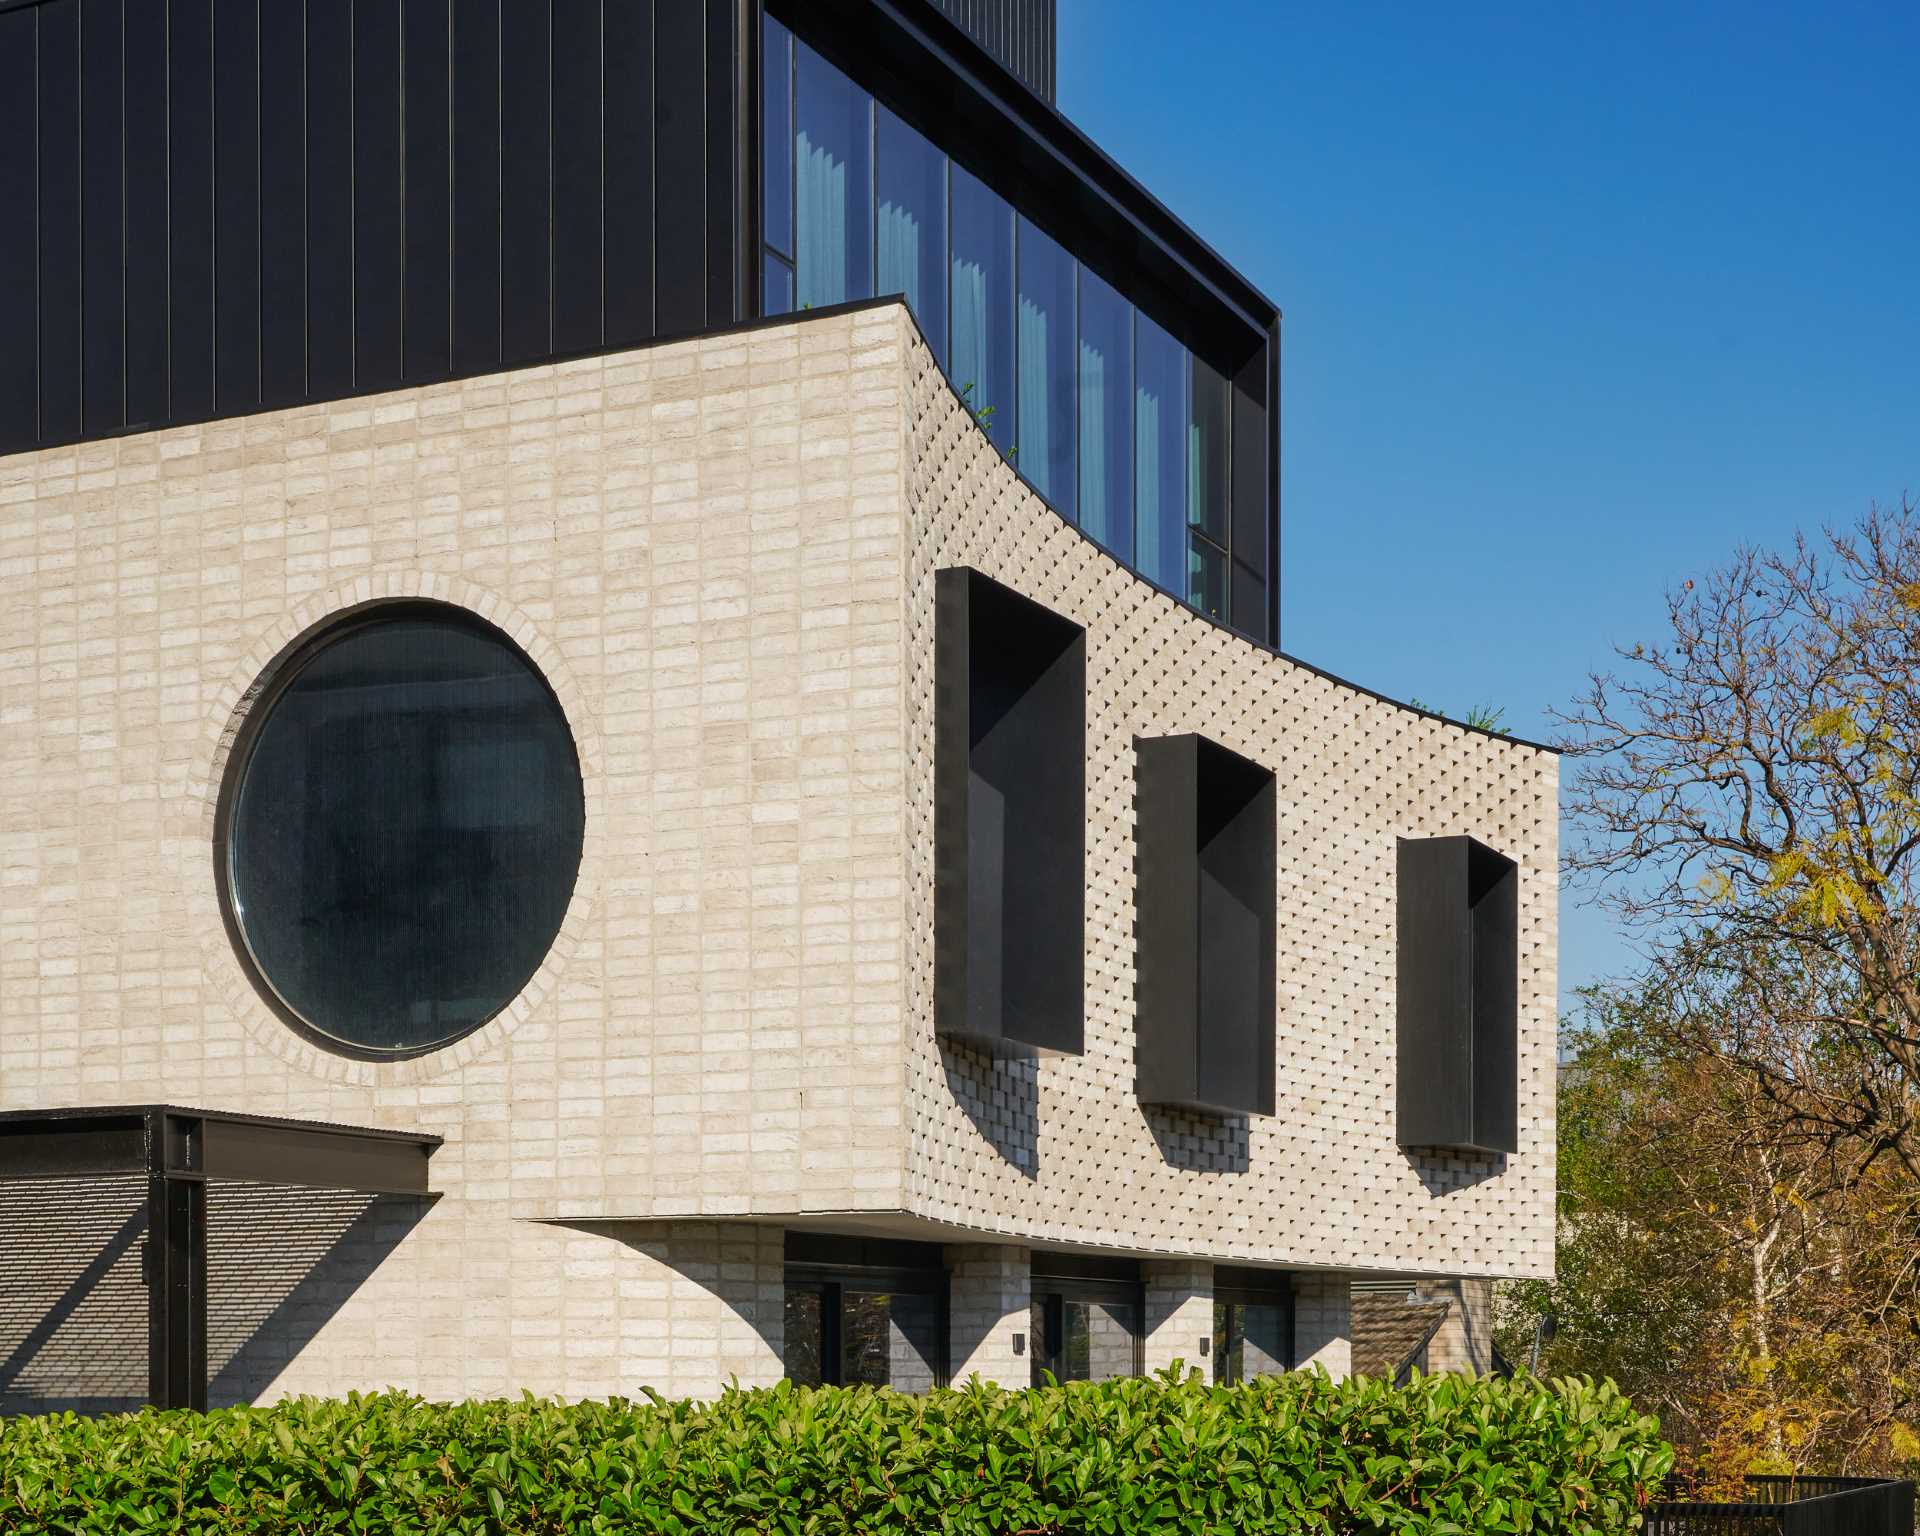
1577 298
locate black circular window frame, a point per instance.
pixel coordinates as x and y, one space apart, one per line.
282 676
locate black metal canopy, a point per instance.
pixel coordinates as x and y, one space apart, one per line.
180 1151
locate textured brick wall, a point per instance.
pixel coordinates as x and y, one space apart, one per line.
1465 1340
1323 1323
1061 1150
721 552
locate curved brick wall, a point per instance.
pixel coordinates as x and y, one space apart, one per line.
1061 1150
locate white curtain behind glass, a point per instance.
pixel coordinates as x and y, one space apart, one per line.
1096 515
970 338
1034 437
1146 484
820 216
898 255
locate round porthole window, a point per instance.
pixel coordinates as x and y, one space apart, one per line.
401 829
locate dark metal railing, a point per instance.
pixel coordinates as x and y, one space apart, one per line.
1793 1506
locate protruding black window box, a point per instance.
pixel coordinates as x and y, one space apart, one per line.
1458 995
1204 909
1010 793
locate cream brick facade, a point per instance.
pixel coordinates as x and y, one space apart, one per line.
722 554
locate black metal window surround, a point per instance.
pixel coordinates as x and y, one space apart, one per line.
1155 438
1010 796
1205 928
1087 1318
180 1151
1252 1324
1457 995
866 1311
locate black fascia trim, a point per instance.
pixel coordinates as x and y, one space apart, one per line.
262 1149
1038 160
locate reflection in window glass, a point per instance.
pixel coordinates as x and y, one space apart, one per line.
404 830
1044 444
983 305
803 1337
1106 416
910 242
1083 1340
776 98
833 185
1207 454
890 1340
776 285
1249 1341
1160 455
1207 579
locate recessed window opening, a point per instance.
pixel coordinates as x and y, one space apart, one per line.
400 829
1087 1318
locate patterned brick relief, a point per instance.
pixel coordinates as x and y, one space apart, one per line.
1061 1150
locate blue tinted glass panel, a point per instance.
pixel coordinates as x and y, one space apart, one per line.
833 184
1044 442
1207 579
1106 416
1160 455
910 236
776 135
1207 464
776 285
983 305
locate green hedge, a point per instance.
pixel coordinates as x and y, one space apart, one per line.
1295 1453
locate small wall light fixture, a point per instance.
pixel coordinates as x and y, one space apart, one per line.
1019 1345
1206 1343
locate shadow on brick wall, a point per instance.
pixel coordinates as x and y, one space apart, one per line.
1201 1143
73 1293
1444 1173
1001 1096
280 1264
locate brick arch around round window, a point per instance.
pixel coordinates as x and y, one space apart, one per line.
192 817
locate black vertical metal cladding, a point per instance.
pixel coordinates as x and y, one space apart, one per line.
379 240
1009 818
19 234
190 209
146 88
236 205
680 167
283 202
59 150
578 199
526 181
629 171
427 302
476 185
1457 993
724 44
102 228
1204 926
330 242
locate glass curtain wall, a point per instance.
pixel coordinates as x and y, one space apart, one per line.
910 230
983 306
1120 427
